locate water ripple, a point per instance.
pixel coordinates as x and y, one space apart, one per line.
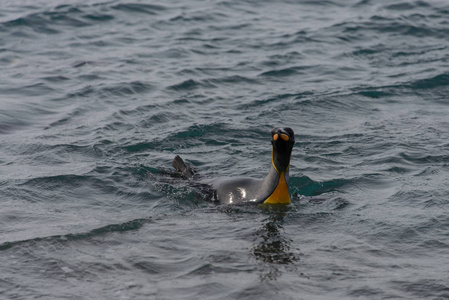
97 98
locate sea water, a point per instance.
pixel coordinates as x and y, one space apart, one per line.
97 97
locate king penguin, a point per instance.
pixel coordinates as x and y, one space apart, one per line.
273 189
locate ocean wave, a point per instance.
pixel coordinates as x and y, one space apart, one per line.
98 97
66 238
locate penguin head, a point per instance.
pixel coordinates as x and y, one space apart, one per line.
282 140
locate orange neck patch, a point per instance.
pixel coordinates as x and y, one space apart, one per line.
280 194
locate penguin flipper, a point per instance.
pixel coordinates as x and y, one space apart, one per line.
180 166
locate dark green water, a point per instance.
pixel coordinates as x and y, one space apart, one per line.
97 97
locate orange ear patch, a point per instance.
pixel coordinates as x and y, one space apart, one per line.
284 137
275 137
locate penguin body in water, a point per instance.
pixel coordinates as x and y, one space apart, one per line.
273 189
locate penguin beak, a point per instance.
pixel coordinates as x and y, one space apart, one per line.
283 139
